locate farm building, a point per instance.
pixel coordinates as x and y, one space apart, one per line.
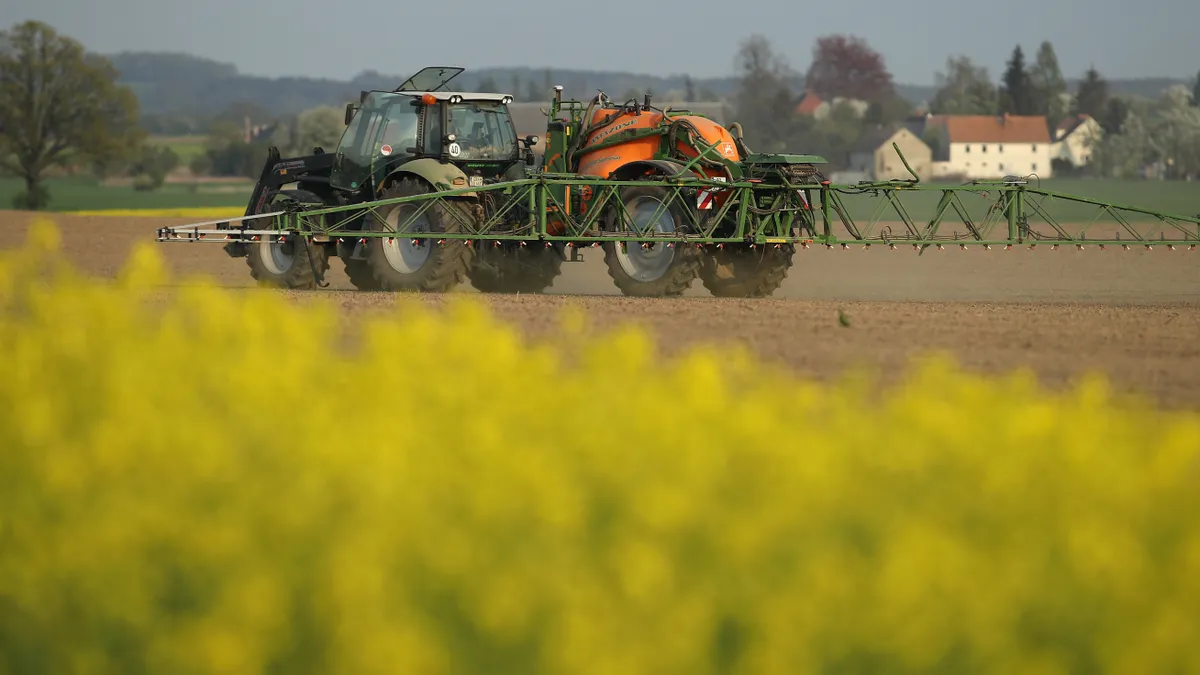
1073 138
874 155
990 146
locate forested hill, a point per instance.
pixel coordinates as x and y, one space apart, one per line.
179 85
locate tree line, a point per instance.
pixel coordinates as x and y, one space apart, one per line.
61 106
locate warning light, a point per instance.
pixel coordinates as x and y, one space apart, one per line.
428 99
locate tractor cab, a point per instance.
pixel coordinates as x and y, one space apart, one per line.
418 120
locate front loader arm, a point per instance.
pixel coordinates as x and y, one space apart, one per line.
310 171
278 172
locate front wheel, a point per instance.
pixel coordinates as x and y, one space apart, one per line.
292 262
658 268
401 263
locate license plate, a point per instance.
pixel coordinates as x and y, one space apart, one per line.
475 181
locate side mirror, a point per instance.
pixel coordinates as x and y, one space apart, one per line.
528 142
349 113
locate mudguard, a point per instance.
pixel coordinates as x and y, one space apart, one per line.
631 170
440 175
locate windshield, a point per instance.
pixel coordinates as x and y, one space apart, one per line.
482 130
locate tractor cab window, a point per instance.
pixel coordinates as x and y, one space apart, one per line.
384 128
399 130
482 131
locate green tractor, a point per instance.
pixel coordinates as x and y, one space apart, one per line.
418 139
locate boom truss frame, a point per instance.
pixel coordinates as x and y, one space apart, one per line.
753 212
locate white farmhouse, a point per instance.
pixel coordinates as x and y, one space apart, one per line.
1073 139
989 146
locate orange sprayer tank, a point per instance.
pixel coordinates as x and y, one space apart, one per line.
602 162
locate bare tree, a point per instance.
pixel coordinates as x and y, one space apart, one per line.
765 102
964 89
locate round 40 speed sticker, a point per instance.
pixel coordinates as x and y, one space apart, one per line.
455 150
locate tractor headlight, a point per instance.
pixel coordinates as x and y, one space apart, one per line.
506 100
456 99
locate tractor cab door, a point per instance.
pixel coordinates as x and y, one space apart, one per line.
384 130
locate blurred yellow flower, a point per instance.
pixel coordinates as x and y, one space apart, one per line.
206 484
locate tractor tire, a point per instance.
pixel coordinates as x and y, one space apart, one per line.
360 275
742 272
398 264
661 271
515 269
295 263
356 269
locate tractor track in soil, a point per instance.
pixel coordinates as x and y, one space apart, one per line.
1133 315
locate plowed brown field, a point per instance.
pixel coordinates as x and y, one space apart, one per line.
1134 315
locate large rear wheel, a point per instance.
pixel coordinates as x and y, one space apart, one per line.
738 271
659 268
289 262
400 263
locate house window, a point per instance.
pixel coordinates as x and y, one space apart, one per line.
1001 151
1001 166
1035 148
1033 167
967 149
984 148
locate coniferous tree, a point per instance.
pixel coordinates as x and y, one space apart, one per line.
1016 94
1092 97
1049 86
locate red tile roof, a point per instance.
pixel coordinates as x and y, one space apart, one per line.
1071 124
994 128
808 104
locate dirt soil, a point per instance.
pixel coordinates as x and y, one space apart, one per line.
1134 315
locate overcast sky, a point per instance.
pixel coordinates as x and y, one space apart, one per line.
340 39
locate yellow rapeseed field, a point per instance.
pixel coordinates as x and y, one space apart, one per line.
204 484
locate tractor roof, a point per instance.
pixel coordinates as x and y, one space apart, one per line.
432 79
465 95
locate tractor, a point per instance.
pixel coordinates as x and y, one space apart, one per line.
420 139
417 139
